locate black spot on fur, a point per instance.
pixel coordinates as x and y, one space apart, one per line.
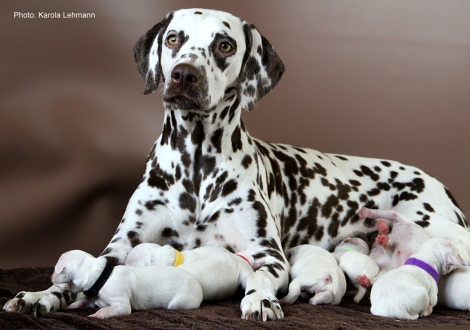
187 202
216 139
197 13
229 187
106 251
406 196
150 205
237 143
250 292
451 198
422 223
169 232
214 217
261 222
134 238
428 207
246 161
226 24
330 203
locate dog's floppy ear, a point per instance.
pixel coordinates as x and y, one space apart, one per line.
452 262
261 69
147 54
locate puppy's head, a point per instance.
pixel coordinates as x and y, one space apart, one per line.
446 250
355 244
205 57
69 266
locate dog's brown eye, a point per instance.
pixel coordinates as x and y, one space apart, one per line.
172 40
225 47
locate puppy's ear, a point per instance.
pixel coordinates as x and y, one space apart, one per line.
261 69
452 262
147 52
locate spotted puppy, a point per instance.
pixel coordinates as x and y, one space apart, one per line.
207 181
353 259
121 289
315 271
410 291
219 272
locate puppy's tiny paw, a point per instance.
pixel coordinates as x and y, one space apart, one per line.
261 307
364 281
382 240
382 227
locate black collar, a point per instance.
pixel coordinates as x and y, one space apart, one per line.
100 282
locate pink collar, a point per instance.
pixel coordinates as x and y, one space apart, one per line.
244 258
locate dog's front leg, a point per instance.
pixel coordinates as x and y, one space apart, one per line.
147 219
260 302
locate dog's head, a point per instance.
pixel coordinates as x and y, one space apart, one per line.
67 268
205 56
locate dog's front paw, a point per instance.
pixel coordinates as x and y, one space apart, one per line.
35 303
260 306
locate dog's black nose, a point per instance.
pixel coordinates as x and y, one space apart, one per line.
185 75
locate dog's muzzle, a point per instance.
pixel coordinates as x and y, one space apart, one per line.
187 88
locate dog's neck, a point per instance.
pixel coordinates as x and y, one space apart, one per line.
431 260
219 132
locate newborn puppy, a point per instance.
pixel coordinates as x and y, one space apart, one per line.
454 291
126 288
404 240
411 290
315 271
361 269
219 272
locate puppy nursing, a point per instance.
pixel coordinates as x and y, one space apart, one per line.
126 288
315 271
361 269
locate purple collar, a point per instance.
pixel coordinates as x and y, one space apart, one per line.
424 266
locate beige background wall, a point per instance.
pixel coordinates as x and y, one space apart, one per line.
388 79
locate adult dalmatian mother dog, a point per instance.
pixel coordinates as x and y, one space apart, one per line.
208 182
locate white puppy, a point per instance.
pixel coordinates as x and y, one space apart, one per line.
315 270
361 269
219 272
454 289
126 288
411 290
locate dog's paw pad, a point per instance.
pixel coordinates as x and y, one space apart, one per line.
261 307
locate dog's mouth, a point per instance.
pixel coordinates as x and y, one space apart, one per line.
182 102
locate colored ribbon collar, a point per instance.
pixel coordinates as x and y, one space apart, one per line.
100 282
424 266
178 258
244 258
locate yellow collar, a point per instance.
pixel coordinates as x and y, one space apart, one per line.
178 258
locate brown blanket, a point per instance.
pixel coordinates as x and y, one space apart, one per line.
221 315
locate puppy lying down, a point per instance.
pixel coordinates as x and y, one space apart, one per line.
124 288
219 272
410 291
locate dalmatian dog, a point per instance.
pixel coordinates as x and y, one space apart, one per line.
207 181
219 272
122 288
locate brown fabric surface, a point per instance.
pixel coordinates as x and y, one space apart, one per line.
220 315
